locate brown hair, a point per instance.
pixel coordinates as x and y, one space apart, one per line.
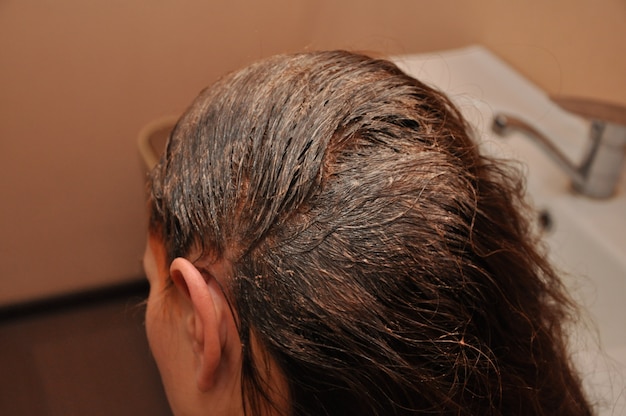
378 258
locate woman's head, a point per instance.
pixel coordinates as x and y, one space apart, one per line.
372 261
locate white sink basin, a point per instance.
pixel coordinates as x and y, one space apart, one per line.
586 239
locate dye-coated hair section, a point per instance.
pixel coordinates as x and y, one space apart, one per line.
379 260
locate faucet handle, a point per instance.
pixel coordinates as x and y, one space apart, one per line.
601 167
592 109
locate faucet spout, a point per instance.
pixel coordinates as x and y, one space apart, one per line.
599 172
504 124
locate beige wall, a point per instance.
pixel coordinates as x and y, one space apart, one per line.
79 79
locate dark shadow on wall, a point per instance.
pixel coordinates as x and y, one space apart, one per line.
83 354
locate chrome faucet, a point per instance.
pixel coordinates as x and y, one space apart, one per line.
599 172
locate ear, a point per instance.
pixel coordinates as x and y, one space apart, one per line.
206 325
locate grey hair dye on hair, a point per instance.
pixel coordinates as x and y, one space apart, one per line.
378 258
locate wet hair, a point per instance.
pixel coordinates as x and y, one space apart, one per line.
378 258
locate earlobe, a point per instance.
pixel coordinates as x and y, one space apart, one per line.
206 320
